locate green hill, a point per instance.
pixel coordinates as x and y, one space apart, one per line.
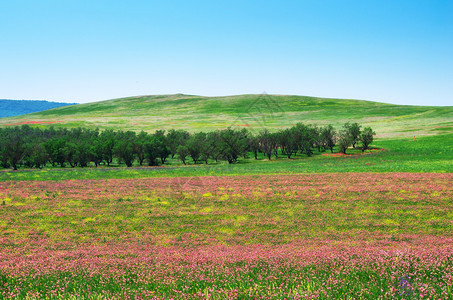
197 113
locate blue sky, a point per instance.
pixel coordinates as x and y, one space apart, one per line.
83 51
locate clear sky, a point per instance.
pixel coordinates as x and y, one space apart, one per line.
89 50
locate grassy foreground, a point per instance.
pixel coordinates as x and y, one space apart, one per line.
324 236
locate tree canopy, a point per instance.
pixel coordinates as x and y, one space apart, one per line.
33 147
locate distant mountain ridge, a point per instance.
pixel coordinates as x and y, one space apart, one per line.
11 108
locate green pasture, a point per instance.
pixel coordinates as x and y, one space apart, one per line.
422 154
255 112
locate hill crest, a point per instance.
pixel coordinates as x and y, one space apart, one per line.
252 111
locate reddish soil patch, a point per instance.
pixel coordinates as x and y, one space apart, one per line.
367 152
32 122
335 154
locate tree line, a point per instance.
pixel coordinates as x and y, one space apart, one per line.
32 147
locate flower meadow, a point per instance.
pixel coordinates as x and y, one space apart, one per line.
310 236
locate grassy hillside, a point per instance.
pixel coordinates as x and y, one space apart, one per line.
196 113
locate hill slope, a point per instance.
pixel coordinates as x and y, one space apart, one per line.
196 113
10 108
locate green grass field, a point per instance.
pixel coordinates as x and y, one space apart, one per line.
424 154
197 113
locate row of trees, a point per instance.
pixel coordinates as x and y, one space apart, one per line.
35 147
